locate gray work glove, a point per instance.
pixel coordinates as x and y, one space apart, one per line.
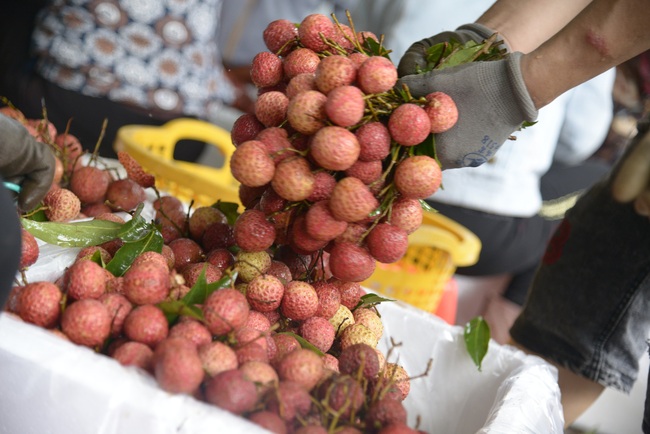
25 161
492 102
631 180
415 57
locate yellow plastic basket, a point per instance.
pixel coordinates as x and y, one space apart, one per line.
435 250
153 147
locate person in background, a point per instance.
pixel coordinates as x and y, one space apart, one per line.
517 198
129 62
587 309
30 164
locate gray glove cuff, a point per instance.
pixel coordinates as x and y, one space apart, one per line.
479 33
526 104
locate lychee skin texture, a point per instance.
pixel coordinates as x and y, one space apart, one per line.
293 179
387 243
319 332
306 112
177 366
86 322
442 111
271 108
225 310
302 366
278 35
418 177
357 358
146 283
62 205
146 324
351 200
264 293
349 262
376 74
217 357
300 61
40 303
89 183
358 334
266 69
310 29
334 71
134 354
86 279
374 140
125 194
253 232
29 249
301 83
231 391
345 106
406 214
321 224
334 148
251 164
409 124
300 300
245 128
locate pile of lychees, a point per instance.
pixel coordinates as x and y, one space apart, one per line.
261 311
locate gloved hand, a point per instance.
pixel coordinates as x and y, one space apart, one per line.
415 59
631 180
25 161
492 102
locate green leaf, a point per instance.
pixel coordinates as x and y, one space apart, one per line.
230 210
176 308
73 234
201 289
426 207
136 228
124 257
427 147
370 300
304 343
477 339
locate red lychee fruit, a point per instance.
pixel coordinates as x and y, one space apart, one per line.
231 391
253 232
90 184
221 258
280 36
62 205
271 108
201 218
312 27
321 224
251 164
146 282
334 148
118 307
324 183
350 262
301 83
343 394
281 271
376 74
191 330
329 298
409 124
95 209
134 354
225 310
351 200
86 322
125 194
217 235
289 400
186 251
264 293
277 143
266 69
303 366
39 303
192 272
293 179
318 331
300 61
85 279
374 140
245 128
29 249
397 375
217 357
367 171
345 106
406 213
351 293
146 324
300 240
177 366
300 300
442 111
135 171
306 112
385 412
153 256
359 359
334 71
387 243
418 177
260 373
269 421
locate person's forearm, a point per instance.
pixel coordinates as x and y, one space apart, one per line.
605 34
526 24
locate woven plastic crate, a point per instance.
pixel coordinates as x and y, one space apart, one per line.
435 250
153 147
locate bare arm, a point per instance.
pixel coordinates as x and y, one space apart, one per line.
526 24
605 34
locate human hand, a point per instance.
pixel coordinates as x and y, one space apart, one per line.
414 59
492 102
632 177
26 161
